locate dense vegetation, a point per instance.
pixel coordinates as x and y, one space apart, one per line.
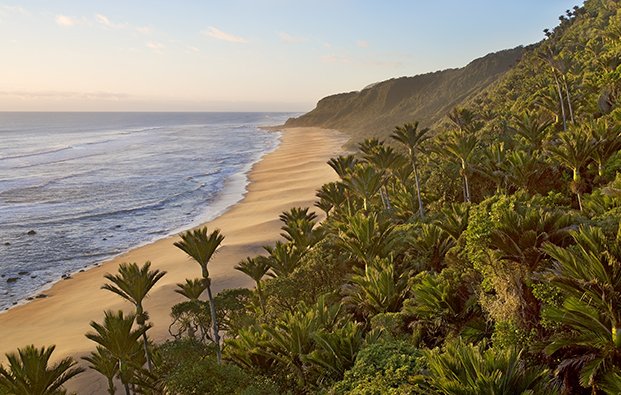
481 257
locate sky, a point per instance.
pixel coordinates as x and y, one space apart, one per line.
241 55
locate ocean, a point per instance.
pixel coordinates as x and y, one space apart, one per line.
79 188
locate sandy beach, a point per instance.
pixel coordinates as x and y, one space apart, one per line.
285 178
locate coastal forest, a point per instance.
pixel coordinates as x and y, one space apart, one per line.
476 254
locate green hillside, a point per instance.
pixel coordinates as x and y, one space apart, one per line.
428 97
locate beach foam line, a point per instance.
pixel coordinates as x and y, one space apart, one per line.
287 177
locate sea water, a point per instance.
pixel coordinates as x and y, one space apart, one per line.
79 188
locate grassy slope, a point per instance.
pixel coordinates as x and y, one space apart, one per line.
375 110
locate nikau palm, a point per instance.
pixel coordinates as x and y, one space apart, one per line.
201 246
461 147
29 372
105 363
574 150
133 283
255 268
117 336
412 138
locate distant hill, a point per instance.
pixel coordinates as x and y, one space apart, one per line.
379 107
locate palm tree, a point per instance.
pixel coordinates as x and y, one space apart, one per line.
442 307
299 228
192 290
331 196
519 238
370 146
364 181
466 120
548 57
343 165
367 237
492 165
607 142
588 275
133 283
532 129
255 268
29 372
105 363
454 219
379 289
201 246
574 151
433 243
283 258
461 147
523 170
292 338
412 138
471 369
121 341
384 159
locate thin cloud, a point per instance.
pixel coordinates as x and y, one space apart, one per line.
143 30
155 46
362 44
218 34
6 10
335 59
290 39
66 21
98 95
105 21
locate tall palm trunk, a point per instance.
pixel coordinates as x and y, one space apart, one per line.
122 377
421 209
577 186
214 322
111 389
466 187
141 320
385 198
261 298
560 98
571 111
146 351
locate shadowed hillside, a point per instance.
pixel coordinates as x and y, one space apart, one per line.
376 109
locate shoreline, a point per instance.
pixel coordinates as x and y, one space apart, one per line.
233 191
286 177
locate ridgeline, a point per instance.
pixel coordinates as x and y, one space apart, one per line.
376 109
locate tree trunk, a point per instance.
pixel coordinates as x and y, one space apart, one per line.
122 375
466 187
111 388
214 322
146 351
577 186
571 111
579 200
385 198
560 98
261 300
421 209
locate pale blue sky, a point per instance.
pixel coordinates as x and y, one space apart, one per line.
241 55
